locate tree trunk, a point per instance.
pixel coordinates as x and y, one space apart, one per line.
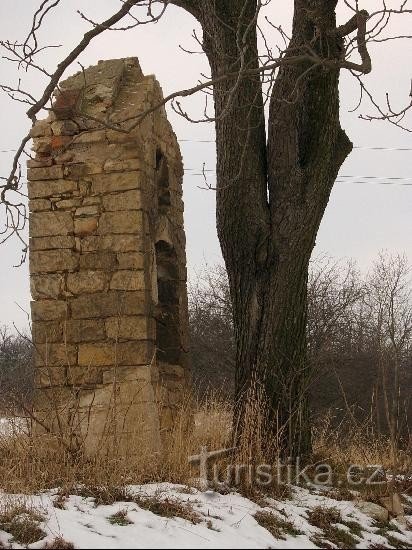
270 201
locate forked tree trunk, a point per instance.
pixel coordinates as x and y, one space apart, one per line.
270 200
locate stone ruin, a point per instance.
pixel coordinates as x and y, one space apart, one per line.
107 261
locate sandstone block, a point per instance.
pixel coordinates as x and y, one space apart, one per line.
40 129
47 261
50 376
128 200
130 260
48 173
85 376
114 243
42 189
128 221
112 182
110 354
46 286
98 260
128 374
123 165
127 280
64 128
84 330
109 304
50 243
85 226
55 355
68 204
37 205
128 328
45 224
48 310
84 282
47 331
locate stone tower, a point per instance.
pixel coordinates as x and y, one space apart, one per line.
107 260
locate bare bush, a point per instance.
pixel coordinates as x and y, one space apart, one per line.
16 369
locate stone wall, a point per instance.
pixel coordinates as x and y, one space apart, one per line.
107 261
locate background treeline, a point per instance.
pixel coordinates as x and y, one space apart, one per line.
359 339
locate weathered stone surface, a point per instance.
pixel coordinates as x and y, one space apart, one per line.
53 355
113 243
85 376
48 310
109 304
129 328
128 200
84 330
99 260
85 226
130 260
45 261
45 224
111 354
112 182
128 221
50 376
46 286
127 280
85 282
123 165
50 243
67 204
64 128
41 189
40 129
37 205
48 173
89 210
47 331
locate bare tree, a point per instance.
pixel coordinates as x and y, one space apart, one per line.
272 189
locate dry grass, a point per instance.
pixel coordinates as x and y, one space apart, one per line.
278 527
58 544
30 464
21 521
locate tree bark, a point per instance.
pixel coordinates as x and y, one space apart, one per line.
270 200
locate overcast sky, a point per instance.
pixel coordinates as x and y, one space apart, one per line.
363 217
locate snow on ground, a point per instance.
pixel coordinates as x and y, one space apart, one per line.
226 521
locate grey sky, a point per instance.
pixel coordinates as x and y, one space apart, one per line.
361 218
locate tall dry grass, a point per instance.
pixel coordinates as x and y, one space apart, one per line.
30 463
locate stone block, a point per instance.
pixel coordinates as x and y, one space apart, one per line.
128 221
43 189
130 260
55 355
127 200
47 331
128 374
64 128
45 224
99 260
128 328
48 310
84 330
45 377
40 129
127 280
51 243
37 205
84 376
109 304
46 286
123 165
115 354
113 243
86 282
89 210
85 226
112 182
68 204
47 173
47 261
